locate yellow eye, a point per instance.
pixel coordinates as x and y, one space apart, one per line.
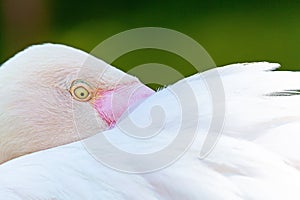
81 91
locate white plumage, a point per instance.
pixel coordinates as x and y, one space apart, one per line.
256 157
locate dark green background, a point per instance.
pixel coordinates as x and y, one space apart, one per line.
231 31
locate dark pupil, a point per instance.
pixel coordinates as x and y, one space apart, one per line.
82 94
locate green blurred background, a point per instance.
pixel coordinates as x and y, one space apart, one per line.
231 31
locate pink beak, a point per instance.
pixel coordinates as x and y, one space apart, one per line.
111 104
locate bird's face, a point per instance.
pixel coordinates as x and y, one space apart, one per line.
53 95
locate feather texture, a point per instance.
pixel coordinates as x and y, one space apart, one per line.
256 157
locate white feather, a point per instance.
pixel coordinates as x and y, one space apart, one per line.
255 158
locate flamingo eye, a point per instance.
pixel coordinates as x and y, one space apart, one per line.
81 91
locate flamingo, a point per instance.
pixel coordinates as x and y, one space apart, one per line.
254 157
